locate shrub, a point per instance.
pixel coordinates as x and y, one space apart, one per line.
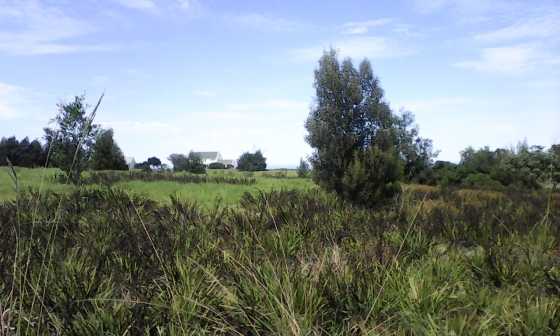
216 165
372 177
252 161
192 163
303 168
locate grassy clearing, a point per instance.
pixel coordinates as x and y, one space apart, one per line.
283 263
204 193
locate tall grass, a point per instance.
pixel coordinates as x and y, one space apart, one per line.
281 262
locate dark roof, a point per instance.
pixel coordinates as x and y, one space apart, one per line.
207 155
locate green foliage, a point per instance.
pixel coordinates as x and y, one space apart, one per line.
217 165
71 142
303 169
192 163
251 161
22 153
372 177
154 162
351 117
281 263
521 168
106 154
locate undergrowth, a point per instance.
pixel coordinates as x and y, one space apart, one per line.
99 261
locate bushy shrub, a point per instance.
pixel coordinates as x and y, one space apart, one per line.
192 163
251 161
216 165
372 177
303 168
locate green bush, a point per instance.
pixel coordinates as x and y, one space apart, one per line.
216 165
251 161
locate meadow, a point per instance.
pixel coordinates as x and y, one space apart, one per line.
204 193
285 258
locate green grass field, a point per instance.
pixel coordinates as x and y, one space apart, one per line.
206 194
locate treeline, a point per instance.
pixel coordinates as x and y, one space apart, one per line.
22 153
523 167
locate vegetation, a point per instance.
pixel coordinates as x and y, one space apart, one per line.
217 165
361 146
22 153
287 263
192 163
106 154
71 142
251 161
524 168
303 168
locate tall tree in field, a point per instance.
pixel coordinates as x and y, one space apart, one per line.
72 139
106 154
353 133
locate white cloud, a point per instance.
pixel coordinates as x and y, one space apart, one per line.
9 95
138 4
268 23
37 29
204 93
363 27
276 105
515 59
372 47
434 105
531 28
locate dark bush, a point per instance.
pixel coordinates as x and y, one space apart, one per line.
217 165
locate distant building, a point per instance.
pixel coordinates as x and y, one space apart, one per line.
211 157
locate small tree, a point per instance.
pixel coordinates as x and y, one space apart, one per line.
154 162
251 161
71 142
192 163
106 153
303 168
351 127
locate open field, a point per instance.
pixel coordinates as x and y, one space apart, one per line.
204 193
299 262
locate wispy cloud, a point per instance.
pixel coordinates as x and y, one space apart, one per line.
363 27
204 93
372 47
275 105
38 29
8 95
515 59
434 105
138 4
528 28
267 23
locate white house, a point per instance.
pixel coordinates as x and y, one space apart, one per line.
211 157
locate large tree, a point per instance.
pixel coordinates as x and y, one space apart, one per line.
352 130
71 140
106 154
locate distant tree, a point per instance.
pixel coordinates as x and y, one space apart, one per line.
416 152
216 165
22 153
554 153
154 162
144 166
351 128
106 153
251 161
303 168
71 141
191 163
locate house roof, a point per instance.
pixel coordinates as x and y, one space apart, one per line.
207 155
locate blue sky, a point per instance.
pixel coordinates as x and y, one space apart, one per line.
238 75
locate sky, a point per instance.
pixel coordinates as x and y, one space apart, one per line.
235 76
